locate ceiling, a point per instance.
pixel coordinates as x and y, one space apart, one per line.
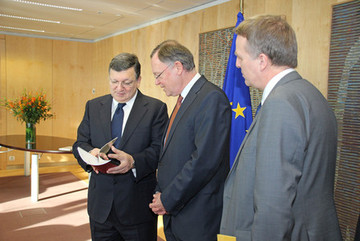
89 20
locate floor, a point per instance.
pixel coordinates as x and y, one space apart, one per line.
78 172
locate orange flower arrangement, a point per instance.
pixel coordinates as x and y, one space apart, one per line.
29 108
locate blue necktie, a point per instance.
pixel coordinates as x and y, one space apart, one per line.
258 108
117 123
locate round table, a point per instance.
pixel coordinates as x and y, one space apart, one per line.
44 144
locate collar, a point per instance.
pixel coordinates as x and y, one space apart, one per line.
188 87
128 105
273 82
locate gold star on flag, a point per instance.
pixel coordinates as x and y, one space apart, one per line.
239 111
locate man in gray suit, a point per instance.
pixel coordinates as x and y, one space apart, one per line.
194 156
281 184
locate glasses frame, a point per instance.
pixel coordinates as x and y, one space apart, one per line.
158 76
123 84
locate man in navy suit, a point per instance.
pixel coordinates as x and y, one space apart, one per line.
118 197
194 158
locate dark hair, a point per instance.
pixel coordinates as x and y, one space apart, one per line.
171 51
125 61
270 35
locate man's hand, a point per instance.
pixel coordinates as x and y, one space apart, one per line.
156 205
126 162
95 152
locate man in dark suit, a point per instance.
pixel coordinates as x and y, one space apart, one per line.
194 158
281 185
118 197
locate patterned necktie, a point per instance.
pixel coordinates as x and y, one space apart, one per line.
117 123
175 111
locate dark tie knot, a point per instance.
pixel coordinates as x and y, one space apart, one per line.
119 107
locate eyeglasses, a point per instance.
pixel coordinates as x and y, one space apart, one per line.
158 76
124 84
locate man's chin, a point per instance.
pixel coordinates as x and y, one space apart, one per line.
120 98
167 93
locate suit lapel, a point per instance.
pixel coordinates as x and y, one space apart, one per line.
136 115
242 145
105 116
189 99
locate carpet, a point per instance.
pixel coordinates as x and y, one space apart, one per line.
60 214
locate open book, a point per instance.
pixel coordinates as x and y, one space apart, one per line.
101 164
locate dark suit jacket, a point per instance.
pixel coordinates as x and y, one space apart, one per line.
281 184
194 163
141 139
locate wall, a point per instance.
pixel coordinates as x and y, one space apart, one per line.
70 71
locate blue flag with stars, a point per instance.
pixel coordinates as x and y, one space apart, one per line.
239 97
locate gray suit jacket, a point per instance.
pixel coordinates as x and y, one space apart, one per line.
194 164
281 184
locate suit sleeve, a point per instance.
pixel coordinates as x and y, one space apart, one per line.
279 162
146 161
211 127
83 139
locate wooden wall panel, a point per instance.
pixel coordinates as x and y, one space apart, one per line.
72 84
3 112
104 52
28 65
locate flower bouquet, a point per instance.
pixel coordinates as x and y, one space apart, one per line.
30 108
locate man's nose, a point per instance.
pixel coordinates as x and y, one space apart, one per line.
237 64
120 86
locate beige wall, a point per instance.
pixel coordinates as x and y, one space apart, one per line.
69 71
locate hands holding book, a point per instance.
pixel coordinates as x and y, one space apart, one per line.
125 161
117 162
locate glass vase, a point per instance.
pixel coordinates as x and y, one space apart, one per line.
30 133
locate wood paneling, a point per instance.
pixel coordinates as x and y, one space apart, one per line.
3 112
72 84
28 65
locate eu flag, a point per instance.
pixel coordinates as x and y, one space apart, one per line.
239 97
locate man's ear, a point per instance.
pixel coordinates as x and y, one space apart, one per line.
264 61
179 67
138 81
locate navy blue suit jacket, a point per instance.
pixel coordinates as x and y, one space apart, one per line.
194 164
141 139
